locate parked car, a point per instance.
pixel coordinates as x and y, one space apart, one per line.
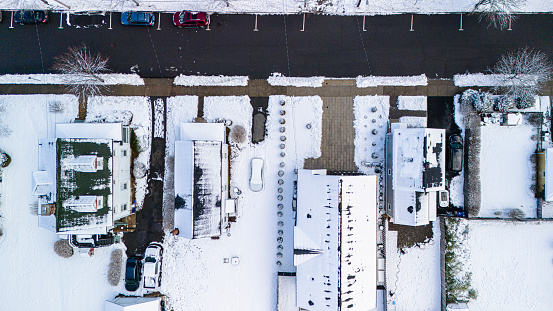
455 153
132 274
30 17
152 266
138 18
256 175
189 19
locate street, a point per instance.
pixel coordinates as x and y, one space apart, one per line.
332 46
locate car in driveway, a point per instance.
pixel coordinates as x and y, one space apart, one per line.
151 266
30 17
455 162
188 19
256 175
132 273
138 18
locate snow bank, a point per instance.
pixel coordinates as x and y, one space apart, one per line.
33 276
506 171
456 187
106 107
109 79
370 130
480 79
211 80
417 103
511 265
338 7
373 81
413 121
234 108
414 277
278 79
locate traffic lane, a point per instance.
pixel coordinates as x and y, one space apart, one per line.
330 45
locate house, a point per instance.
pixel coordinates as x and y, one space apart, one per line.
201 180
83 182
415 172
335 247
133 304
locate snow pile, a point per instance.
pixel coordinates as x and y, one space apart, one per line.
417 103
278 79
414 277
511 265
371 124
118 108
195 271
28 263
180 109
506 171
456 187
109 79
416 122
373 81
480 79
211 80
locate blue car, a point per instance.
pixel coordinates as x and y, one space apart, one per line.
30 17
138 18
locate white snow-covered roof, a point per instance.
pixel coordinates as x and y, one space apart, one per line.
198 188
202 131
42 183
133 304
322 201
112 131
549 174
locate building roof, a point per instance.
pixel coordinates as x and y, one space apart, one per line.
90 130
72 184
198 188
133 304
335 213
202 131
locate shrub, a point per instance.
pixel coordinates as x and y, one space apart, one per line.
63 249
505 103
115 267
238 134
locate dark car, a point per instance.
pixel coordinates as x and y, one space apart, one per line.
133 273
189 19
138 18
455 153
30 17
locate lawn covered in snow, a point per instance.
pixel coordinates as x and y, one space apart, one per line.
195 276
506 171
512 266
413 277
33 276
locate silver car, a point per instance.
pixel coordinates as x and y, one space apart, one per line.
256 175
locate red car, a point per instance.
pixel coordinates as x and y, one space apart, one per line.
189 19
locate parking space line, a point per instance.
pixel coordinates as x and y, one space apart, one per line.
61 21
11 21
110 21
158 21
303 26
364 16
461 25
255 28
411 23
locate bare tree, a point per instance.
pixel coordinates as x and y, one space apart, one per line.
498 13
523 75
82 71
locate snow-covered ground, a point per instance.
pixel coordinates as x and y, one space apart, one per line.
280 80
456 186
373 81
414 277
417 103
33 276
415 122
480 79
340 7
109 79
506 171
211 80
116 109
370 130
195 276
511 265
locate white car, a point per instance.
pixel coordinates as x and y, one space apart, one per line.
256 175
151 266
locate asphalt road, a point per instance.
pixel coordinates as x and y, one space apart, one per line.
333 46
